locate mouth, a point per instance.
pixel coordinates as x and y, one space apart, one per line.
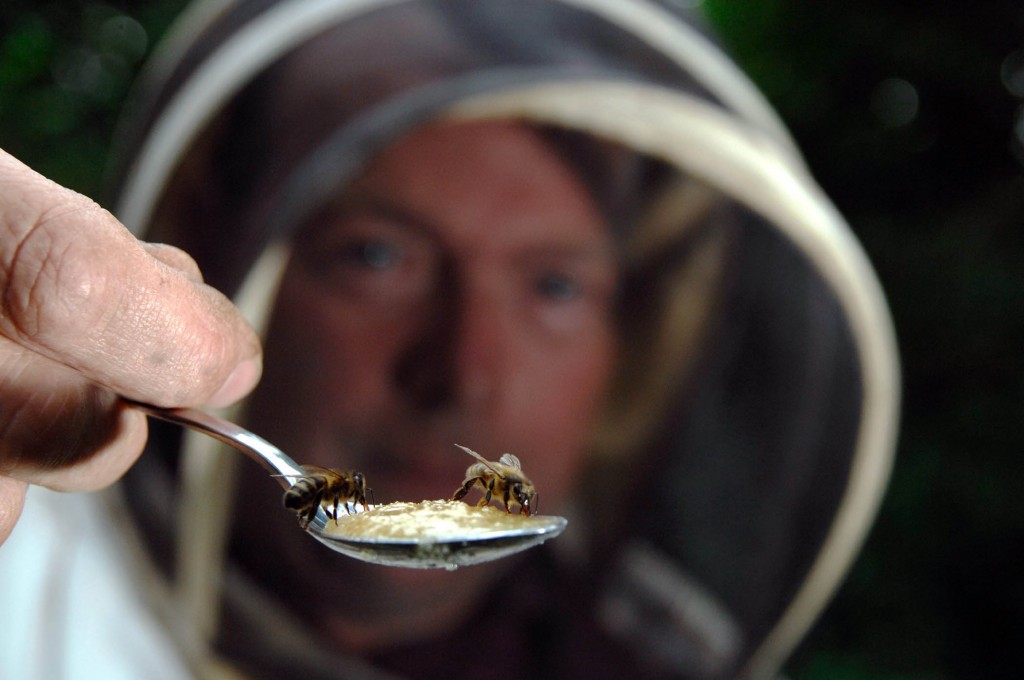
406 469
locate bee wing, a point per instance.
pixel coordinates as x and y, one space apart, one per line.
480 458
510 460
317 468
313 469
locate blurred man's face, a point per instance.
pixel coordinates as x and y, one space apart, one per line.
459 292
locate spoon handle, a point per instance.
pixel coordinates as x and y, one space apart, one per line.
276 461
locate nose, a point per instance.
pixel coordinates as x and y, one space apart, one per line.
456 356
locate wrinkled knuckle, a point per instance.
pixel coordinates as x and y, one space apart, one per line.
175 258
51 287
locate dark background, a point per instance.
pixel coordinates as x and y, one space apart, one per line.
911 116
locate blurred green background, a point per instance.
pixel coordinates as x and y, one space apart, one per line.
911 116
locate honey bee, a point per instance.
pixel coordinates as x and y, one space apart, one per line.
503 479
324 487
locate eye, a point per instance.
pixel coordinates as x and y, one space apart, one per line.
372 254
557 287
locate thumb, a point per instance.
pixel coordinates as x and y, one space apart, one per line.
12 499
79 289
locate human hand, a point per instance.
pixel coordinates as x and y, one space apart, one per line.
89 314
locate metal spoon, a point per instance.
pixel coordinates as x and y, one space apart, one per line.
454 550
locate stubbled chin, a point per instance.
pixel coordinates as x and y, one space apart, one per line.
398 605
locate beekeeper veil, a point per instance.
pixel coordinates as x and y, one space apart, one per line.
751 421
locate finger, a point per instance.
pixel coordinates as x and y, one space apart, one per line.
177 258
51 418
106 464
78 288
12 499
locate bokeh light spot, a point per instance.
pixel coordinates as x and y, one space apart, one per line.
894 102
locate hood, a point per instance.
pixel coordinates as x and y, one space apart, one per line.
758 374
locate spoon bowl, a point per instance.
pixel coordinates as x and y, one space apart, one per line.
462 546
434 534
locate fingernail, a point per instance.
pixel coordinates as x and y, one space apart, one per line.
239 383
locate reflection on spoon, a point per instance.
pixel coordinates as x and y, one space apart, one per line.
433 534
428 535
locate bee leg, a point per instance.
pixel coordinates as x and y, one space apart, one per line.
334 508
313 507
308 517
508 508
461 492
487 496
